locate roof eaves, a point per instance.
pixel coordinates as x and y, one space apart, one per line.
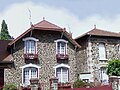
32 28
72 40
12 42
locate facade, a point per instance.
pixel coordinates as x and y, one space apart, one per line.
42 52
98 47
45 51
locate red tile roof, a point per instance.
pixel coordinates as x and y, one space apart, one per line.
45 25
99 32
4 54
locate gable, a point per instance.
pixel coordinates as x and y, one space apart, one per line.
46 26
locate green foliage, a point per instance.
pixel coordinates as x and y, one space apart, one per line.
78 84
4 35
113 68
10 87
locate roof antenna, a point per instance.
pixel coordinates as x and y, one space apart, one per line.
30 17
94 26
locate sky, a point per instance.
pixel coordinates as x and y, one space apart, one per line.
77 16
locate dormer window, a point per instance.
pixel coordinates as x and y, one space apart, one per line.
61 49
30 47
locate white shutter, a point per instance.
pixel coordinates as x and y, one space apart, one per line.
64 75
58 74
26 76
33 72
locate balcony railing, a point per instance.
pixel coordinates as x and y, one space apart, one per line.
62 56
29 56
64 86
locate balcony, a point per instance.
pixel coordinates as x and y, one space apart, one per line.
64 86
30 56
62 56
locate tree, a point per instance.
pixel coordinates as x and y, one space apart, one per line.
4 35
113 68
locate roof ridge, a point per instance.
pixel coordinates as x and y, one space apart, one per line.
47 23
96 29
105 30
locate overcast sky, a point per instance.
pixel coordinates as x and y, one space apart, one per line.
77 16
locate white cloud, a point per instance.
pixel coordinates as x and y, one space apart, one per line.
17 18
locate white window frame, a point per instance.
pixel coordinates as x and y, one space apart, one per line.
60 66
119 50
103 74
28 66
102 51
26 40
63 41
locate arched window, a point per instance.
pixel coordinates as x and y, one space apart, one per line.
30 45
102 51
61 46
62 72
29 71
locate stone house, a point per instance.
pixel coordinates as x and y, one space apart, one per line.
97 48
43 51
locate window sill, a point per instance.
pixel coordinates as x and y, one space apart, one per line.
103 59
30 56
62 56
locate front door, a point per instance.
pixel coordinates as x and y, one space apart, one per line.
1 78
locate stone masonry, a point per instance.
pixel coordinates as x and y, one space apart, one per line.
47 58
90 52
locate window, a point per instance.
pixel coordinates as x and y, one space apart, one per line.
30 46
62 72
29 71
102 52
103 74
61 46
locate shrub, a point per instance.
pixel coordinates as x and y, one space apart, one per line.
78 84
10 87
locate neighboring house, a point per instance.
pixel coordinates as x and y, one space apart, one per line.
44 51
97 48
5 60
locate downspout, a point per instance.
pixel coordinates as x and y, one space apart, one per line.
75 50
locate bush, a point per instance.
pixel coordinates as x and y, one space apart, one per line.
81 84
78 84
10 87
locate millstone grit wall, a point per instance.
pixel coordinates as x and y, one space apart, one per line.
88 56
47 58
112 52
